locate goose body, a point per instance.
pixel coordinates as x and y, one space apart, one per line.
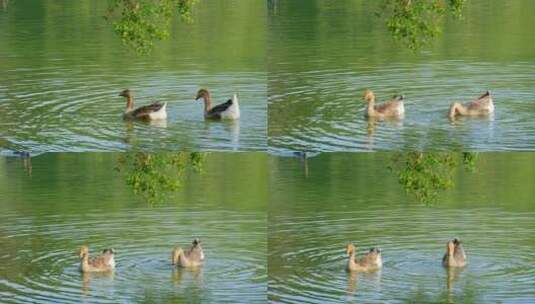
227 110
369 262
154 111
192 257
483 105
455 255
393 108
101 263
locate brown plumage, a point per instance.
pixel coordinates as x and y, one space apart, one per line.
483 105
153 111
455 255
192 257
369 262
226 110
393 108
100 263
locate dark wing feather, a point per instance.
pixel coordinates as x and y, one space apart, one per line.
445 258
100 260
217 110
487 94
384 106
146 110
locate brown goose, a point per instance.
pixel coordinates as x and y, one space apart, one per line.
154 111
481 106
455 255
101 263
393 108
226 110
369 262
192 257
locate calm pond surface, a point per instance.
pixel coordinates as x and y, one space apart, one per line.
62 68
75 199
312 219
324 54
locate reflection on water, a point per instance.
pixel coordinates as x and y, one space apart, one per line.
24 156
373 122
453 275
354 198
75 199
63 66
101 277
324 54
369 277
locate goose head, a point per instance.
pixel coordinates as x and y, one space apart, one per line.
84 251
369 96
126 93
202 93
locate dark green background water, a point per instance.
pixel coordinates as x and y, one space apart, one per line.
324 53
75 199
355 198
313 211
62 67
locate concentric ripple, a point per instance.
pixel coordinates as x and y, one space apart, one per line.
334 117
323 55
38 258
353 197
84 113
59 83
307 256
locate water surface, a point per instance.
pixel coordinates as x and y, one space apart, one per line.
62 68
324 54
75 199
353 198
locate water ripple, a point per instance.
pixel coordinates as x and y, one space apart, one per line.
327 111
307 257
40 262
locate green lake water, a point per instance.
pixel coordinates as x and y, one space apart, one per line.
62 67
75 199
323 54
343 198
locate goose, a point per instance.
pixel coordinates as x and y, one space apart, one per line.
192 257
455 255
226 110
369 262
479 107
154 111
101 263
393 108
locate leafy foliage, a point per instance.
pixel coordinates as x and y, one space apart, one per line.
416 22
140 23
470 161
155 176
425 175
